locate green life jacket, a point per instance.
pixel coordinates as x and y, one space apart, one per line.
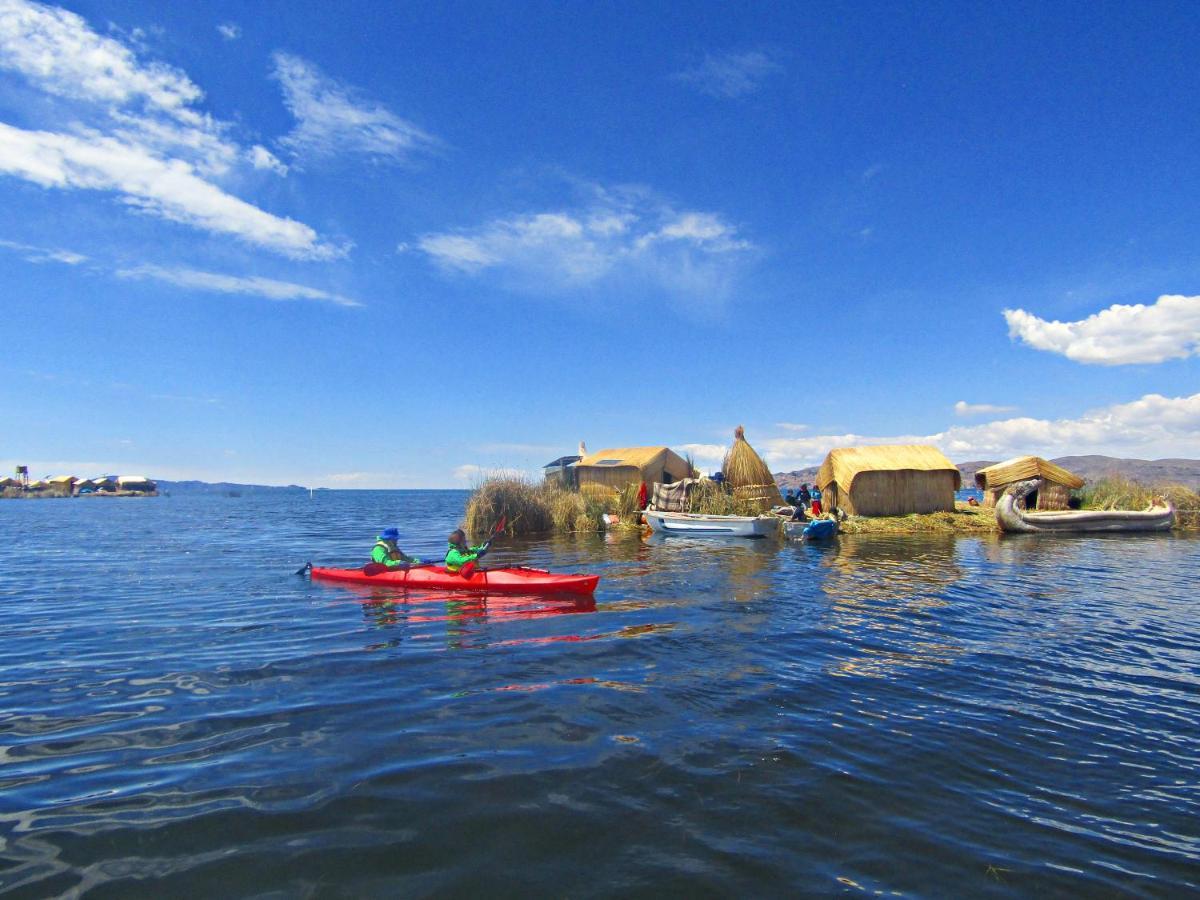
457 558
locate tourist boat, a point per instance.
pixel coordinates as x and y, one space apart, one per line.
812 530
1159 517
698 525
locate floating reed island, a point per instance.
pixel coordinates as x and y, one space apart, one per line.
890 489
63 486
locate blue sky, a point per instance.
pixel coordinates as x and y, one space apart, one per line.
395 245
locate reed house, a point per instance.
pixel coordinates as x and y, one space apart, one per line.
891 480
617 467
1054 482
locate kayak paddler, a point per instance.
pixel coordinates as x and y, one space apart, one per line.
461 558
386 553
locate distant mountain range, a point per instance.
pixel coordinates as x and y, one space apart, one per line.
1090 468
221 487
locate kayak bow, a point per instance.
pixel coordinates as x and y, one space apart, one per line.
516 580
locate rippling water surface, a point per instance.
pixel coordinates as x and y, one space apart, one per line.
182 715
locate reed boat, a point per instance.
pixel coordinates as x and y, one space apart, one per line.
697 525
1160 516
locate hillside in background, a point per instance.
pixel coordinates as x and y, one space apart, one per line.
1090 468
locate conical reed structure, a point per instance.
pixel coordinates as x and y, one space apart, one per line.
749 476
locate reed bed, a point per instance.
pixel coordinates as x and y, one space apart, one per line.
536 508
525 504
1119 492
964 520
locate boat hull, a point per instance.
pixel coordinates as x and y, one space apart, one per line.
481 581
694 525
1010 517
814 530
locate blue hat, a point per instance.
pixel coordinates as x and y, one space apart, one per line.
389 534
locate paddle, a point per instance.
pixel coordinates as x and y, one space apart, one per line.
497 529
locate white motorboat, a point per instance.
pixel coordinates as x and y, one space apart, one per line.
697 525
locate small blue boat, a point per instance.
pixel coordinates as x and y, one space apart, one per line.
819 530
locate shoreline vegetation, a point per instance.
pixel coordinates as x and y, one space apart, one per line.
550 507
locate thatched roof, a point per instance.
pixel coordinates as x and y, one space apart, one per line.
638 457
844 463
1020 468
62 479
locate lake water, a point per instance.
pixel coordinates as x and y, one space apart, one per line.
181 715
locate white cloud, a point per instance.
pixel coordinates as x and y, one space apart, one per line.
963 408
1151 427
693 255
706 456
231 31
262 158
136 132
729 75
169 188
57 50
791 426
42 254
1120 335
255 286
332 119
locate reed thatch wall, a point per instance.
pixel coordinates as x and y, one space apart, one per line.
889 480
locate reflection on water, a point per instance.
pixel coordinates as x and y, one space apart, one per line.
885 592
180 715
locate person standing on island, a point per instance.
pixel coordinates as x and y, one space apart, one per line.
804 498
461 558
815 493
386 553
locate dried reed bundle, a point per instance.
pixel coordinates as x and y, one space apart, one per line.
524 503
748 476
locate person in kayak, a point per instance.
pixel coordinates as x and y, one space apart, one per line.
386 553
460 557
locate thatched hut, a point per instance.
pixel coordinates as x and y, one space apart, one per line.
136 484
62 483
888 480
561 470
748 476
1054 482
618 467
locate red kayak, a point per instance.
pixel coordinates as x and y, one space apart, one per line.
519 580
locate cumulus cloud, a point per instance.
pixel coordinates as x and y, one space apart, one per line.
963 408
43 254
1123 334
333 118
256 286
729 75
138 132
689 254
230 31
1153 426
